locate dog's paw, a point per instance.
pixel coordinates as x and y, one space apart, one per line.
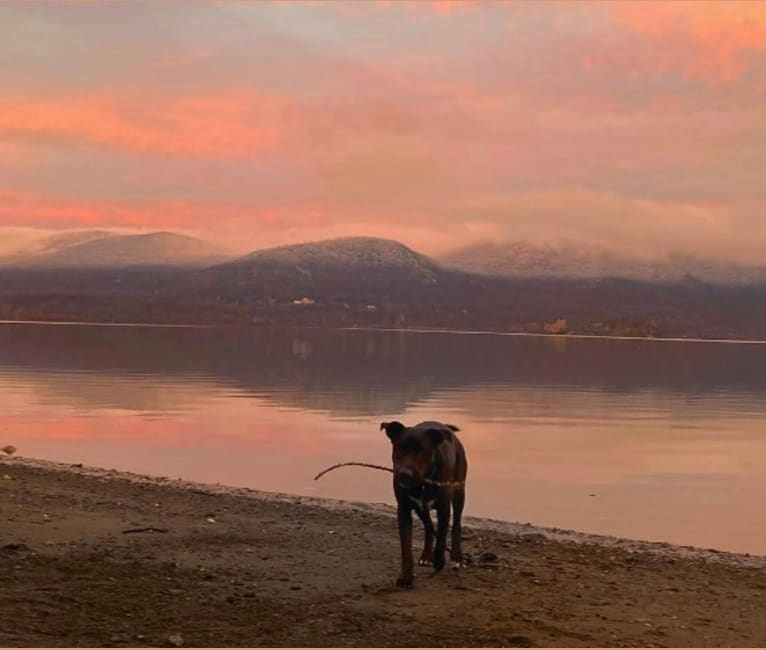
405 582
457 565
439 563
425 561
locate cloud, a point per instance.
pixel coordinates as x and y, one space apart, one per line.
436 123
238 125
709 41
446 7
640 227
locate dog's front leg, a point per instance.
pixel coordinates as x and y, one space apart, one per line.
442 525
427 556
404 517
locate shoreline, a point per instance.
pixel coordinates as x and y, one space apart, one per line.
503 527
663 339
92 557
108 324
413 330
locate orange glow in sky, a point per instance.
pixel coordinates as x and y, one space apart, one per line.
635 125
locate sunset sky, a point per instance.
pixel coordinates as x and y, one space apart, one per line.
637 125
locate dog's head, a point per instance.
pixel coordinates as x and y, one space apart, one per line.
414 450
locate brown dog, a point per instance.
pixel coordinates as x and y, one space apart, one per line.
430 467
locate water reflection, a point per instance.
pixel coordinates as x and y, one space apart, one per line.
668 436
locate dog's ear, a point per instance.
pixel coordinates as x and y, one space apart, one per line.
436 436
393 429
452 427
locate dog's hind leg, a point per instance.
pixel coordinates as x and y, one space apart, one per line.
427 556
456 552
442 525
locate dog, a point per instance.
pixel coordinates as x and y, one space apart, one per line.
430 468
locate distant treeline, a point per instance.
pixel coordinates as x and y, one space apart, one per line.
452 300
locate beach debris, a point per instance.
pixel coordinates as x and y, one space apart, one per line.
520 641
488 558
148 529
7 477
175 640
210 520
46 517
8 450
14 548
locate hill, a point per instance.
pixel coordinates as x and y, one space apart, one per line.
568 260
102 249
354 269
368 282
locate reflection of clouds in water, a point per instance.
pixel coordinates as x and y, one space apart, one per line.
575 406
85 391
527 406
581 452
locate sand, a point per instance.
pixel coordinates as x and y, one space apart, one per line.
92 557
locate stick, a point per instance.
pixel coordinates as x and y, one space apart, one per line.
329 469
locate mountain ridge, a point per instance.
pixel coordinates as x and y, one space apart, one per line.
568 260
380 283
104 249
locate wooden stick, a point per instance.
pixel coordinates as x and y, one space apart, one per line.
427 481
329 469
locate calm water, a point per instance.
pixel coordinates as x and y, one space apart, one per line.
652 440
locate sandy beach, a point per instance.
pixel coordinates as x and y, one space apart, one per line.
93 557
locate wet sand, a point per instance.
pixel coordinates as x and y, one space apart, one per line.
93 557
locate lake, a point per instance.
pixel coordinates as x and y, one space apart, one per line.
644 439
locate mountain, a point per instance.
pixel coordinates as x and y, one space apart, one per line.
369 253
20 246
58 242
102 249
351 268
369 282
520 259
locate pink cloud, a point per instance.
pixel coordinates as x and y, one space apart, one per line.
410 127
236 125
709 41
446 7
